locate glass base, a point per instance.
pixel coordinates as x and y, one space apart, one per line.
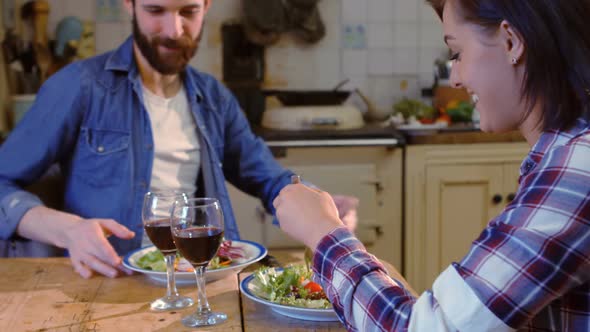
204 319
171 303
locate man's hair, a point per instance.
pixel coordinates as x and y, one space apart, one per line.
557 57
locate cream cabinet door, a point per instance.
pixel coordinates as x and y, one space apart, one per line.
460 200
372 174
452 192
350 180
359 181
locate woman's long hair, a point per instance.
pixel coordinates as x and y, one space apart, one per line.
557 59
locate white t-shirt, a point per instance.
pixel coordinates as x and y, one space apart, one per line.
176 144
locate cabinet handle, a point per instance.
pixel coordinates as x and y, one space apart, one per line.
510 197
497 199
378 186
368 234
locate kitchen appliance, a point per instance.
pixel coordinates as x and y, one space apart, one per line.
311 110
333 117
309 97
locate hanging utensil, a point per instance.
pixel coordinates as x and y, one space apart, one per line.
42 51
40 9
341 84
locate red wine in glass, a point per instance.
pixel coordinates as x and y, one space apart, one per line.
156 213
199 244
197 228
161 236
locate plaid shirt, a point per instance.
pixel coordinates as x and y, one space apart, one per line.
529 269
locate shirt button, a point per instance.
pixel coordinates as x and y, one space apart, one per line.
148 146
100 149
220 165
143 184
13 202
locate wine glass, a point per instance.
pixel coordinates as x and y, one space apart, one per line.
197 229
156 213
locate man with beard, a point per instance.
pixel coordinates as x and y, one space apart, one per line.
125 122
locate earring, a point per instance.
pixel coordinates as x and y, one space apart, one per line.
514 61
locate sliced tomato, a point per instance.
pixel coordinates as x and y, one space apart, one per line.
313 287
224 261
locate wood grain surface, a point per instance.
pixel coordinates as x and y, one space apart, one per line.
45 294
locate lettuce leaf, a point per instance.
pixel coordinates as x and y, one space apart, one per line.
153 260
278 286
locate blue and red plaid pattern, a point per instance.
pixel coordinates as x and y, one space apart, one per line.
529 269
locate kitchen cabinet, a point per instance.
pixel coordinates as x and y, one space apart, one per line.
371 173
452 191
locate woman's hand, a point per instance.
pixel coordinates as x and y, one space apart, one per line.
306 214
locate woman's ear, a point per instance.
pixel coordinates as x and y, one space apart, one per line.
513 43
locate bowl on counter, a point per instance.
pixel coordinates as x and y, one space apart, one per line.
416 129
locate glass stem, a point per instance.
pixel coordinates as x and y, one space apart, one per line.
171 289
202 304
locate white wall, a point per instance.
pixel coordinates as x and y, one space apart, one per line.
403 38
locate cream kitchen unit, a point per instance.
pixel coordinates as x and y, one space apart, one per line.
452 191
370 169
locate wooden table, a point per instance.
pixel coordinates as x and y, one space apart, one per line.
47 295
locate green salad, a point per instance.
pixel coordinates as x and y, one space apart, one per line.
153 260
290 286
227 254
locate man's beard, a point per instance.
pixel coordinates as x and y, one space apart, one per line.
169 64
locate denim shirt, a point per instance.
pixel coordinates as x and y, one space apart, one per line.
90 118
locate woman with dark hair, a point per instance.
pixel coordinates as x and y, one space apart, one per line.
527 65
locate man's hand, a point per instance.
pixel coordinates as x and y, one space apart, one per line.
91 251
85 239
347 210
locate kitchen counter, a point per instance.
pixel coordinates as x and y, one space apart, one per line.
370 131
367 136
376 133
462 135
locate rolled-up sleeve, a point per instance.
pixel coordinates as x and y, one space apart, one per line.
12 209
45 135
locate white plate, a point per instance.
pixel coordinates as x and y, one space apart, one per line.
422 129
323 315
421 126
253 252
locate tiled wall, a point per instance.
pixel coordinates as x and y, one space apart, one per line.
386 47
404 37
